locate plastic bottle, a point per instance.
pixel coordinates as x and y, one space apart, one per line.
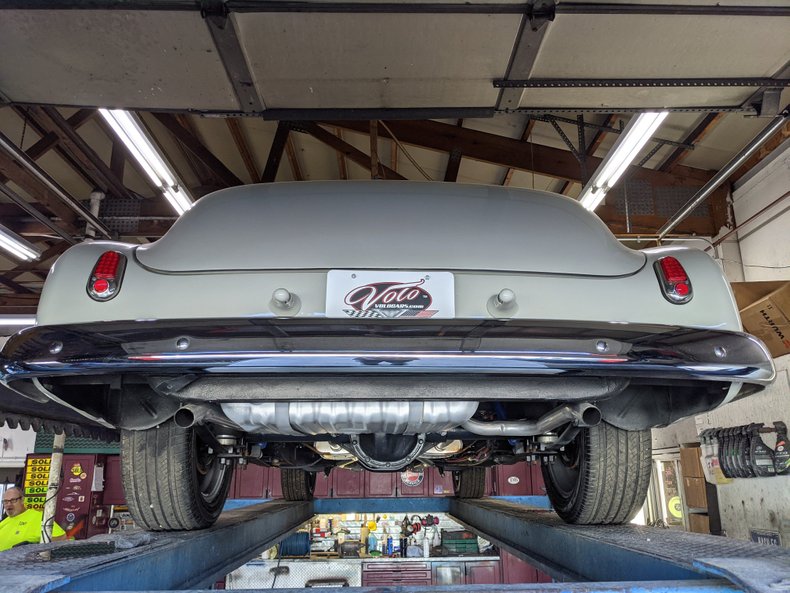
373 543
782 451
390 549
761 456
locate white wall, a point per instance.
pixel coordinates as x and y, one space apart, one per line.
15 444
765 242
760 251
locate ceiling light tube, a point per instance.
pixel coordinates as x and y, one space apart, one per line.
17 320
17 246
631 141
131 131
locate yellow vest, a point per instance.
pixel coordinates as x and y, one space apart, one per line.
25 527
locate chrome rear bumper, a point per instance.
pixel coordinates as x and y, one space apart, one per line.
270 346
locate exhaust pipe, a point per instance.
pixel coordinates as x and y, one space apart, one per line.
195 414
581 415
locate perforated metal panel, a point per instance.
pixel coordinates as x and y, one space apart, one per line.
647 200
120 214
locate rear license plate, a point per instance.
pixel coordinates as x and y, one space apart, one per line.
390 295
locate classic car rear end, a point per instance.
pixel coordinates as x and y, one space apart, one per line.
384 325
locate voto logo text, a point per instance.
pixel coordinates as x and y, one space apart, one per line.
389 296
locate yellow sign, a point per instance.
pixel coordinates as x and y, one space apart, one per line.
675 507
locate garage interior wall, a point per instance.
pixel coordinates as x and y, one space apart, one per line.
756 503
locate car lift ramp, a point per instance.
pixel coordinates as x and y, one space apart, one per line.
623 552
623 559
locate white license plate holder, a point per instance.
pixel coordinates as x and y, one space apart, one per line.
382 294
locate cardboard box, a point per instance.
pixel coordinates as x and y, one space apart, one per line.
690 462
694 489
765 312
699 523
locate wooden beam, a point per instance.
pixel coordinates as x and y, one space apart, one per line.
12 171
33 122
206 177
453 166
117 158
34 266
696 135
19 303
357 156
103 177
649 224
511 152
15 286
393 154
374 149
524 137
196 147
293 161
111 135
236 131
342 170
276 152
766 149
50 140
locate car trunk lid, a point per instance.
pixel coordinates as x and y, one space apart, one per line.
389 225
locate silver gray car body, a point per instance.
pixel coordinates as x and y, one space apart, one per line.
196 316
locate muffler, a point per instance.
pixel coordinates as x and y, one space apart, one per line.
195 414
581 415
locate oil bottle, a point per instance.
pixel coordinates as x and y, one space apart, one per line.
781 453
761 456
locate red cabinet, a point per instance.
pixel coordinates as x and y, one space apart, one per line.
513 480
483 573
323 485
516 571
413 483
274 487
466 573
113 484
440 485
249 481
380 485
538 486
377 574
347 483
254 481
448 573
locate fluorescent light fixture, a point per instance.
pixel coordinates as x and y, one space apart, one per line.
128 127
17 320
17 246
633 138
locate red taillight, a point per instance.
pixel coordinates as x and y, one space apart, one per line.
674 282
105 280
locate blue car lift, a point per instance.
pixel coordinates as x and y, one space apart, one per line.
622 559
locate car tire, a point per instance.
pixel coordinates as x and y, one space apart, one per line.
297 484
172 479
602 477
470 482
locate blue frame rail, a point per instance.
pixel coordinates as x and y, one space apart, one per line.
607 553
613 558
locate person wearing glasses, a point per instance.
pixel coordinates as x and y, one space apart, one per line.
22 525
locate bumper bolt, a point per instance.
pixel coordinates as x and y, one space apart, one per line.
55 347
601 346
720 351
182 343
